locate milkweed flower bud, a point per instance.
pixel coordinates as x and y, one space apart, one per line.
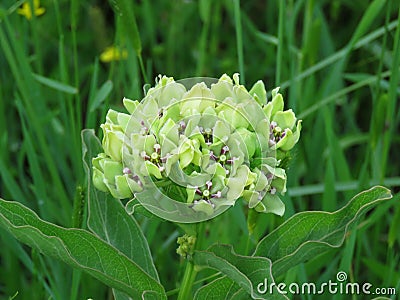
186 245
189 150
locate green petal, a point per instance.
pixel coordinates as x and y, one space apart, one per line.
197 155
113 141
204 206
149 142
285 119
239 119
241 93
279 184
167 146
198 98
133 185
251 177
259 93
236 78
112 117
169 130
292 138
198 137
190 191
232 116
186 158
249 139
252 112
275 91
192 124
122 187
223 89
97 161
262 181
260 207
113 191
130 105
221 131
171 160
171 91
251 197
226 78
219 171
112 169
123 120
277 103
273 204
98 180
150 107
152 169
236 184
172 111
210 111
219 183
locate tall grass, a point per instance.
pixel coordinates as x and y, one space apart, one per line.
337 63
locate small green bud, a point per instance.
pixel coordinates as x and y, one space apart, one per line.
186 245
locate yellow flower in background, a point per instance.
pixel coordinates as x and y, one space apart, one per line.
26 10
113 53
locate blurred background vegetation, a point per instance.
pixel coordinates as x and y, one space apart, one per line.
64 63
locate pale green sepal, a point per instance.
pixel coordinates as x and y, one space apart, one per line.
152 169
98 180
273 204
130 105
112 169
203 206
259 93
122 186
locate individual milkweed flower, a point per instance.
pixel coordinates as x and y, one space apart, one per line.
113 53
26 9
284 131
110 175
188 150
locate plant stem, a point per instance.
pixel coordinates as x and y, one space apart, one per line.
187 282
190 271
176 291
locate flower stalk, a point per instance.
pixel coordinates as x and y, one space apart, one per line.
187 281
195 242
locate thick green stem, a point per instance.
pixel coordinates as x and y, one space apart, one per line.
187 282
185 291
251 224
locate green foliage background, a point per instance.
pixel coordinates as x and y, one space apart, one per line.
337 63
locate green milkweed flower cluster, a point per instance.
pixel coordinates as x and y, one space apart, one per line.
186 245
205 146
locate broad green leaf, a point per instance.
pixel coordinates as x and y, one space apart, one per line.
303 236
221 288
308 234
224 288
108 218
79 249
247 272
